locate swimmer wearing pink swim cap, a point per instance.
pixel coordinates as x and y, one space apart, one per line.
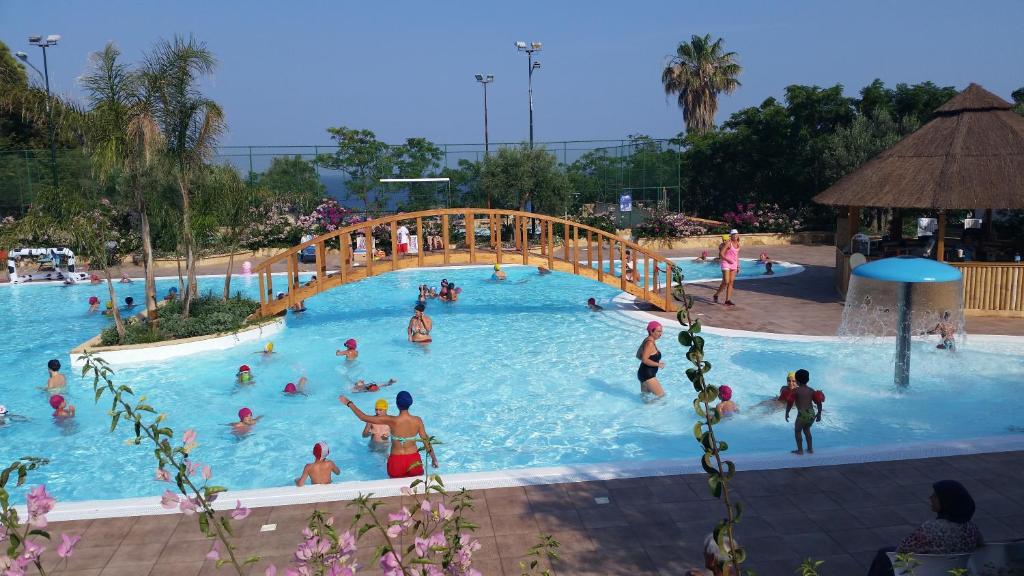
726 406
650 361
61 408
292 389
245 421
350 352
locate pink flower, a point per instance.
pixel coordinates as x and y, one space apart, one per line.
189 440
395 530
426 506
169 500
390 564
406 491
421 546
240 512
31 551
271 571
403 516
214 553
67 545
187 506
347 542
39 504
207 472
443 512
163 475
191 467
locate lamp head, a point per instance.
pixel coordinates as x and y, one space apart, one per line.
490 78
35 39
52 38
21 55
479 77
520 45
535 45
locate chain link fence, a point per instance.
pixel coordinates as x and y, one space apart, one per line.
600 171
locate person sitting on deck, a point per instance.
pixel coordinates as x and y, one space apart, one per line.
321 469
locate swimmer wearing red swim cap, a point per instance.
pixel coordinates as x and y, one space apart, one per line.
320 470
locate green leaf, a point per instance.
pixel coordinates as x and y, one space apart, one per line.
681 318
706 367
204 524
698 430
685 339
99 392
698 343
715 483
708 465
694 375
695 327
226 524
699 408
705 441
113 421
723 445
739 555
738 514
708 394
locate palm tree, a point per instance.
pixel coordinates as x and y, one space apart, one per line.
699 72
190 122
124 140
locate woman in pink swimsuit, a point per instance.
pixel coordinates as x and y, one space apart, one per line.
729 258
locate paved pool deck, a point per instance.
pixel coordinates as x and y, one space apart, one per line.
648 526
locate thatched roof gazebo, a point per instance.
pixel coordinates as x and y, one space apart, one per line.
969 156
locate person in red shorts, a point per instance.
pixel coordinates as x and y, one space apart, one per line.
406 430
403 239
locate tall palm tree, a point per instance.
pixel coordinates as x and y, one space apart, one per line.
698 73
124 140
190 122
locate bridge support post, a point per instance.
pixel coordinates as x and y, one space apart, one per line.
445 237
423 238
394 245
622 265
524 230
368 233
575 250
551 245
471 235
600 259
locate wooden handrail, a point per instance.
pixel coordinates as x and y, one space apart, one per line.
544 253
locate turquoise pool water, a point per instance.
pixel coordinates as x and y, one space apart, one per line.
520 374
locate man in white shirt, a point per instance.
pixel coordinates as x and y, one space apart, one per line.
403 240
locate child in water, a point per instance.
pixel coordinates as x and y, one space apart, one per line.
245 421
726 406
947 331
291 389
244 375
94 303
805 399
268 349
593 305
321 469
61 408
379 434
498 274
56 381
362 386
350 352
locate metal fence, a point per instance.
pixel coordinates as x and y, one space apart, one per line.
648 170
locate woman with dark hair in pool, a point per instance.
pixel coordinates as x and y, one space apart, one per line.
952 531
419 326
406 430
650 361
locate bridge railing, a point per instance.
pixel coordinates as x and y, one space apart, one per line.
469 236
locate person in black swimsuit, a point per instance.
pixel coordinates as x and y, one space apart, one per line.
650 361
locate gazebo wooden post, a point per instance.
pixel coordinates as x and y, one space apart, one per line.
940 241
843 237
986 225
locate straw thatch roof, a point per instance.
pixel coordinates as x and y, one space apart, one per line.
970 156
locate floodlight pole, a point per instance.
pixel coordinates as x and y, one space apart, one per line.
530 49
44 44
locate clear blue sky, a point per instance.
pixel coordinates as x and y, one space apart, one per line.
405 68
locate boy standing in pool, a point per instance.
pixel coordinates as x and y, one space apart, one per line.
804 398
321 469
56 381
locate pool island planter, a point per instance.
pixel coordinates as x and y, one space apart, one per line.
168 349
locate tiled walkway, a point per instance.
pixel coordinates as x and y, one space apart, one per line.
839 514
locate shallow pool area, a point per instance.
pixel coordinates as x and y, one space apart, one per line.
520 374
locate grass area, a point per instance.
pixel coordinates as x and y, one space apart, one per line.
209 315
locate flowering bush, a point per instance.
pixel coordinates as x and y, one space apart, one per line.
765 218
669 225
271 226
327 217
24 548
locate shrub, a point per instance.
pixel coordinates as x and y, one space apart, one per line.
602 222
209 315
669 225
765 218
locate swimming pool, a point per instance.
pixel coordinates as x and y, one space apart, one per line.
520 374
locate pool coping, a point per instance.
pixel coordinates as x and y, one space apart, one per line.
342 491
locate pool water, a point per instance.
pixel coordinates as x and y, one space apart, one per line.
520 374
694 271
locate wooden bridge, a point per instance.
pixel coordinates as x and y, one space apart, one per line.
468 236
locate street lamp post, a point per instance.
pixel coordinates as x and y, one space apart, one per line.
530 49
49 41
486 79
